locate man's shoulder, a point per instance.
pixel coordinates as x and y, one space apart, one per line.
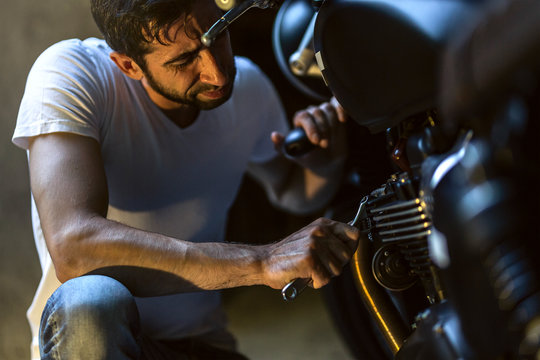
75 52
76 64
89 45
249 75
246 67
253 90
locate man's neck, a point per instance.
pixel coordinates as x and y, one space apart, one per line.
182 117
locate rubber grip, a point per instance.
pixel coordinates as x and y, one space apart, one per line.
297 143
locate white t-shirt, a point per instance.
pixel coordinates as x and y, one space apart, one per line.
160 178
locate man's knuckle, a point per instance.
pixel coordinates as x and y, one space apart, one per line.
325 279
318 112
328 107
323 220
318 231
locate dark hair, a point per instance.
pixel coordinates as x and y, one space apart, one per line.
129 26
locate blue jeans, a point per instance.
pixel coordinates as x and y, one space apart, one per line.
95 317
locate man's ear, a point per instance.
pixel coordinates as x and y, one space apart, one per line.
127 65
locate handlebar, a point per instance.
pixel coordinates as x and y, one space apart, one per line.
297 143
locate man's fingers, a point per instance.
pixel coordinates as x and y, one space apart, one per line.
334 257
340 245
348 234
321 275
337 243
327 118
318 251
343 248
278 140
318 122
339 228
305 120
341 114
352 236
330 263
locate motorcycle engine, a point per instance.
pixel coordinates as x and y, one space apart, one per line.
451 220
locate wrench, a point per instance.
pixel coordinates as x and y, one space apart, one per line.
295 287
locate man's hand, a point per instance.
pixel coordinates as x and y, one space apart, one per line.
318 252
323 125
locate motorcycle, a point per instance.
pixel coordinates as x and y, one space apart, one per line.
444 95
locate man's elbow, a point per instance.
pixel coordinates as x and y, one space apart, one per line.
66 248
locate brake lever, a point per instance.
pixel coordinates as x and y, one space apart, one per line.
295 287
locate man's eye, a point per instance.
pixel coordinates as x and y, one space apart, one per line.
183 65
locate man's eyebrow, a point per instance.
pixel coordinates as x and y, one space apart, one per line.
184 55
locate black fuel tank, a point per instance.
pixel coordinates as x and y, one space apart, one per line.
380 58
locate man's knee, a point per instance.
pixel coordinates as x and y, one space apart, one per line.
94 296
89 308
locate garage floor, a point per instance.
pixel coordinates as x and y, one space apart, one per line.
268 328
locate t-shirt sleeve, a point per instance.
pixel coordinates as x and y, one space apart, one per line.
271 117
62 94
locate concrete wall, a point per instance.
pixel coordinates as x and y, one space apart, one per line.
27 27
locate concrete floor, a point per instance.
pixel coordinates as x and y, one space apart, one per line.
268 328
271 329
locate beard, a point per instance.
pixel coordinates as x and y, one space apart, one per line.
190 97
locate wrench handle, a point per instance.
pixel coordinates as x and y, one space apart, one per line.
294 288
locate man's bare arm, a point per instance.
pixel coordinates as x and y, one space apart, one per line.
294 188
306 184
69 186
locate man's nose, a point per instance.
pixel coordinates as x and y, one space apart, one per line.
211 71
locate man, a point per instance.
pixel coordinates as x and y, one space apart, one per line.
135 156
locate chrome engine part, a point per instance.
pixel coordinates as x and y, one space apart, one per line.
398 225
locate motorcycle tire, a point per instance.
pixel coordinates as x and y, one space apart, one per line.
352 320
346 307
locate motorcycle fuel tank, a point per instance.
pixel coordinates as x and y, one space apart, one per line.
380 58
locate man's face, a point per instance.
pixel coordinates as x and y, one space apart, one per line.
184 72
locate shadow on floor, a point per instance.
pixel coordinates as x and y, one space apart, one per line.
268 328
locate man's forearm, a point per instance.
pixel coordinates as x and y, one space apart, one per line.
296 189
151 264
